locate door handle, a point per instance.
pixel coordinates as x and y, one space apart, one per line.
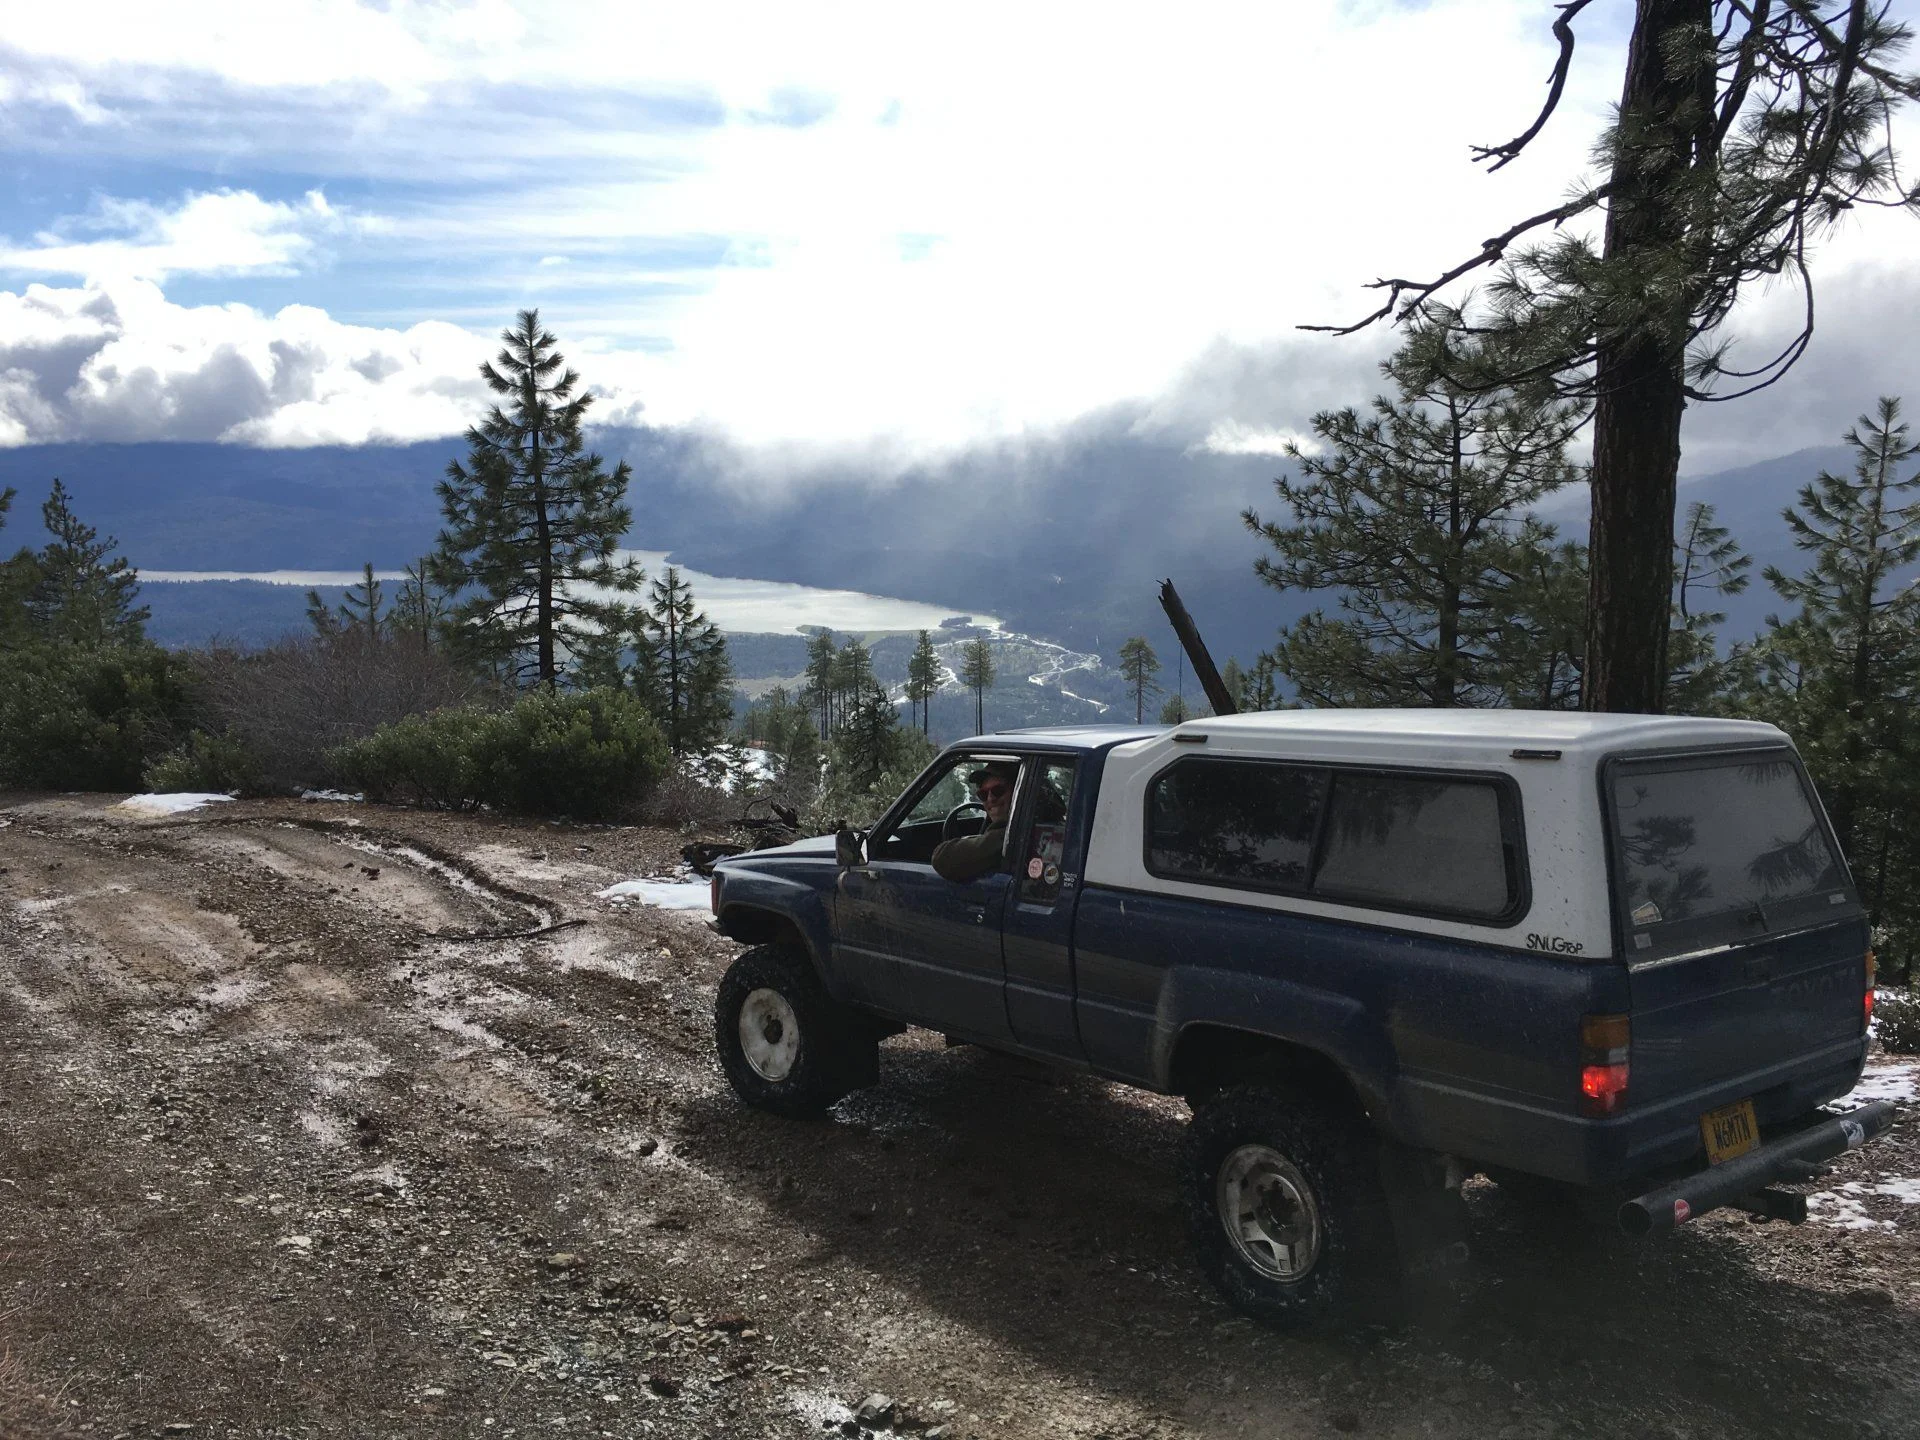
979 913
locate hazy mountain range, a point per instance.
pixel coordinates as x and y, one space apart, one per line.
1066 539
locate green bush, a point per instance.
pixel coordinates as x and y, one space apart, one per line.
433 759
207 762
1896 1020
89 719
590 755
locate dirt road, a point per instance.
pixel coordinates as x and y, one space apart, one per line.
288 1147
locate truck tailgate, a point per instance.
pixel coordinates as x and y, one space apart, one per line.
1704 1021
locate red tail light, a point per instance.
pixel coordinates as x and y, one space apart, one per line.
1604 1043
1873 975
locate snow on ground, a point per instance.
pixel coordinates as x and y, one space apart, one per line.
664 894
1888 1080
1842 1207
330 795
1843 1210
178 803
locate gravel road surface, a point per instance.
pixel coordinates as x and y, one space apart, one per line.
302 1133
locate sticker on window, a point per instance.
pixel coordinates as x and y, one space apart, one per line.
1646 913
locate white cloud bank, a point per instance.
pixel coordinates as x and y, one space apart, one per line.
923 228
116 360
223 232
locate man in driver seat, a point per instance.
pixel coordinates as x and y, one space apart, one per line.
972 856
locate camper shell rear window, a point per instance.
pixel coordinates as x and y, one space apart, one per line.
1717 848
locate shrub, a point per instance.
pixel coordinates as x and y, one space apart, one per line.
89 719
294 703
1896 1021
436 759
591 755
207 762
682 800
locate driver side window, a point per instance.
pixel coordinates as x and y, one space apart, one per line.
914 836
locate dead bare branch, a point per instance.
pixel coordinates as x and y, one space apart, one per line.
1563 29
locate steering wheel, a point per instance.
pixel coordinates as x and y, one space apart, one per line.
948 830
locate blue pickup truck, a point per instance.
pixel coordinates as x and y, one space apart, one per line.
1375 951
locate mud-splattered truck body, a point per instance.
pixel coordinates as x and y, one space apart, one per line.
1375 950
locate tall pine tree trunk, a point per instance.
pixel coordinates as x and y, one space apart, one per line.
1640 373
549 673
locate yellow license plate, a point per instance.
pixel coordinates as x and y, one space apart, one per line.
1730 1132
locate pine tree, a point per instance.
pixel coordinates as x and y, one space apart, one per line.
820 673
1235 680
868 737
1744 133
682 667
1707 562
322 617
852 675
533 521
923 678
17 578
1263 685
420 608
977 674
360 607
78 596
1138 666
1418 517
1844 673
1539 645
1176 711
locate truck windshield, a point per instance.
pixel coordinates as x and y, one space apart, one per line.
1730 844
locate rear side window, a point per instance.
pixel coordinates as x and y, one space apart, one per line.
1418 843
1224 822
1730 843
1436 845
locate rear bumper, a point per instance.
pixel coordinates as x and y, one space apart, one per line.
1785 1160
1653 1139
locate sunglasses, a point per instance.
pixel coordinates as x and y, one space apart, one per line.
995 790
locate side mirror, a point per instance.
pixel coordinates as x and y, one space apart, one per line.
849 847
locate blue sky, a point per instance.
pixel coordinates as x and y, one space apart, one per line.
853 234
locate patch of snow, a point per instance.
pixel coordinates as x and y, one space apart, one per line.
175 804
331 795
1843 1212
1888 1080
1906 1191
665 894
822 1412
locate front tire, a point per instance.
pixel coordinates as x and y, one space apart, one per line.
784 1043
1285 1206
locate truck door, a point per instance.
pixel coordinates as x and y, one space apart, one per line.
913 945
1049 843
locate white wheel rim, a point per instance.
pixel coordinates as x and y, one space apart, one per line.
769 1035
1269 1212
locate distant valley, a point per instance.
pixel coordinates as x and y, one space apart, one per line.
1064 543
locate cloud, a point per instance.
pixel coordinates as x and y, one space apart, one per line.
875 230
223 232
117 360
1236 437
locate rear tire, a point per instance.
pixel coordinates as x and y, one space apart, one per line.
1285 1206
784 1043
